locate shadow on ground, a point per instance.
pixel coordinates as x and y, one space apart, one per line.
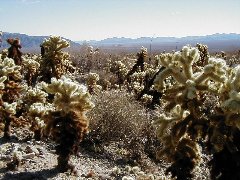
37 175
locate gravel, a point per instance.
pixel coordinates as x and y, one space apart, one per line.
37 160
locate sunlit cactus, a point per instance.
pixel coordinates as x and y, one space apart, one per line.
232 102
2 85
34 106
55 62
187 121
34 95
204 54
186 88
146 99
32 67
92 80
187 82
224 131
4 54
141 56
137 87
69 95
143 52
138 77
68 123
234 60
10 87
8 110
9 69
120 70
36 112
178 146
12 75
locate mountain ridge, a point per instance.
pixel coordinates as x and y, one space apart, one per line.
167 38
215 42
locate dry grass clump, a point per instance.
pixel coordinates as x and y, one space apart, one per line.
118 117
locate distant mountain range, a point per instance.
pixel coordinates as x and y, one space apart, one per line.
215 42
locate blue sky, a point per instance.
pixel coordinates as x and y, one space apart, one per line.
100 19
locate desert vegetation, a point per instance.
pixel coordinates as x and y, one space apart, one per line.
174 116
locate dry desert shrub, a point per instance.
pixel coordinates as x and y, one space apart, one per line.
118 117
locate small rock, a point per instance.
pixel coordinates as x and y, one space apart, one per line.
104 177
5 157
32 150
90 174
28 156
30 142
41 156
38 142
52 151
41 150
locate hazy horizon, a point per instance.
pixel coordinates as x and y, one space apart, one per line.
125 37
96 20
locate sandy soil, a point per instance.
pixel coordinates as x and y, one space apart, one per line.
37 160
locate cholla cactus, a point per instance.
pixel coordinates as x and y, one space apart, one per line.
105 84
34 95
146 99
11 73
69 95
35 107
90 52
232 102
138 77
233 61
185 92
221 55
143 51
10 108
120 70
150 72
137 87
189 83
36 113
32 68
178 146
9 86
55 62
7 112
2 85
140 62
92 80
187 122
9 69
4 54
68 123
204 55
225 129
